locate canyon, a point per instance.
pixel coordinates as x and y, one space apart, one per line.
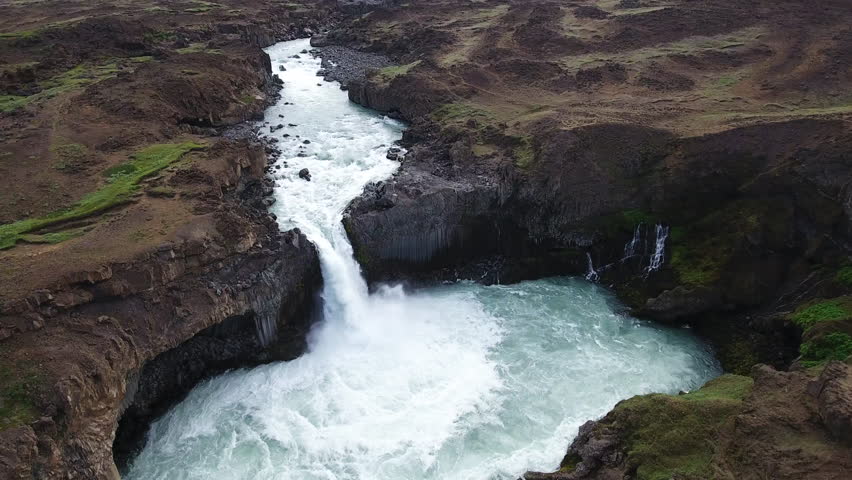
692 156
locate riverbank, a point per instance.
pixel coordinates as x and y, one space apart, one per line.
137 252
552 139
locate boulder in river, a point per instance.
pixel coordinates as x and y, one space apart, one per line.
281 68
304 174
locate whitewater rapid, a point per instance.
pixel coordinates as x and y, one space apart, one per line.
458 381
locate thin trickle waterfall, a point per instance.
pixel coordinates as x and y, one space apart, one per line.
661 233
631 248
453 382
591 273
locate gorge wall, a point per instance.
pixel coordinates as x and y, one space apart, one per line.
694 170
138 256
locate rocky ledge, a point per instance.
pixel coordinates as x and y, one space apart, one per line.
733 427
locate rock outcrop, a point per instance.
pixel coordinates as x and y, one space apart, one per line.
727 429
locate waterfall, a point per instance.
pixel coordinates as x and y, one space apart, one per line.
633 244
591 274
449 382
658 257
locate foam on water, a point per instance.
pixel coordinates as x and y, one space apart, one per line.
459 381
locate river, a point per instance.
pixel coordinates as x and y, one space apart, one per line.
452 382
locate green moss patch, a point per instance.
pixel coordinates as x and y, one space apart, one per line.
18 389
833 346
52 237
9 103
808 315
68 156
456 113
160 36
118 190
20 34
387 74
844 276
673 436
524 153
702 250
198 48
78 77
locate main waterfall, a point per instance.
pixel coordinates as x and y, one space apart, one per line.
453 382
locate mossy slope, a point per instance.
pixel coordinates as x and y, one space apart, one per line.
672 436
122 183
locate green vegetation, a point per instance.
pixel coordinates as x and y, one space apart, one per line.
9 103
33 33
18 389
387 74
833 346
68 155
159 36
451 112
467 117
702 249
569 463
808 315
825 323
53 237
197 48
727 81
122 183
79 76
738 356
524 153
672 436
844 276
20 34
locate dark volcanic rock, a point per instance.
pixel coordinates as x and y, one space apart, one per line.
347 65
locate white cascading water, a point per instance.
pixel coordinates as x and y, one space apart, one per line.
661 233
631 248
591 274
454 382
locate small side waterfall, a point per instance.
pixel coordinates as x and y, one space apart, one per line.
631 248
592 274
658 257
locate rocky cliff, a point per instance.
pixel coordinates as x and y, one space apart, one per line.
137 253
666 149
